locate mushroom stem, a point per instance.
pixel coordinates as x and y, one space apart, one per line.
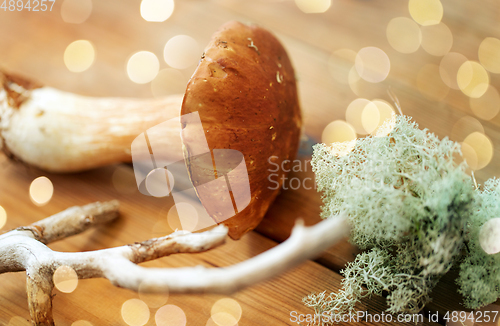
64 132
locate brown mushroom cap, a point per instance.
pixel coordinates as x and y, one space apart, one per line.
245 93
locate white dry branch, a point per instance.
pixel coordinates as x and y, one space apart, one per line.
24 249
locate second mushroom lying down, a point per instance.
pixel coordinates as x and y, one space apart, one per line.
243 92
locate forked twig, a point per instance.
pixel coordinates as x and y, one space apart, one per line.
25 249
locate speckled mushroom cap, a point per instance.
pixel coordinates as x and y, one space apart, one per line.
245 93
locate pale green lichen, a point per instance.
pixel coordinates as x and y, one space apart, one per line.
410 204
479 278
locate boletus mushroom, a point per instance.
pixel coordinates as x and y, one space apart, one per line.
245 93
243 90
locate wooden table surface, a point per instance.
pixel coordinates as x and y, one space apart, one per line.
33 43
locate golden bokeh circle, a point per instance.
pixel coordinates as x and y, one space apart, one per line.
370 117
386 118
487 106
183 216
437 39
489 54
426 12
464 127
404 35
41 191
135 312
76 11
157 10
354 115
65 279
372 64
170 315
181 52
313 6
19 321
483 147
472 79
79 56
3 217
448 68
81 323
142 67
224 307
338 131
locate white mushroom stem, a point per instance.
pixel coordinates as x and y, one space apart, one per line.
64 132
20 250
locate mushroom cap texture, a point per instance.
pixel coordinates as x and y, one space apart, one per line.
245 93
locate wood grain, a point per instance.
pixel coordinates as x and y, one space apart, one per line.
33 44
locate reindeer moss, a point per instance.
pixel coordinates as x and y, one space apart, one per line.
412 208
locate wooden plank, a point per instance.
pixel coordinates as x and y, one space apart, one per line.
33 44
98 302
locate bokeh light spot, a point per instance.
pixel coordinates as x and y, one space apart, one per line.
170 315
472 79
135 312
430 84
372 64
65 279
181 52
448 68
489 54
487 106
82 323
153 300
426 12
3 217
168 81
159 182
489 236
142 67
156 10
464 127
404 35
41 191
338 131
223 307
354 114
437 39
469 155
79 56
482 146
340 64
370 117
342 134
182 216
76 11
19 321
386 116
222 319
313 6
